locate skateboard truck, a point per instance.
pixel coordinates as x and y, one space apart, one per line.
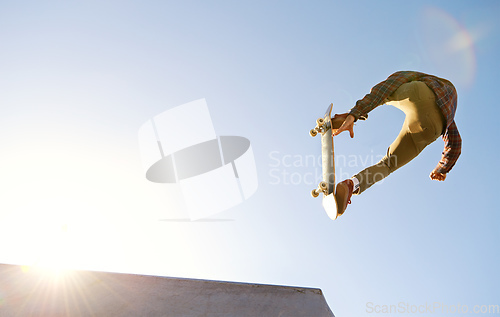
321 127
322 188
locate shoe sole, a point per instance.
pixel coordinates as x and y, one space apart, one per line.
341 193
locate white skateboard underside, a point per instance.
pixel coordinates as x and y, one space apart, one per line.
330 206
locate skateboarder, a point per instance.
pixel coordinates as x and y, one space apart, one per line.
429 104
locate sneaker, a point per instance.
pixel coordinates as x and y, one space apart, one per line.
343 194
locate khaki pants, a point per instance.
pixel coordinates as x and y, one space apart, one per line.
423 124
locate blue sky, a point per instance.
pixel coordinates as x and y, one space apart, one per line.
79 79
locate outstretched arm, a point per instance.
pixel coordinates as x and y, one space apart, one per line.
375 98
452 150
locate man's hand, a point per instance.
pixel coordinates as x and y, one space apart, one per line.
348 125
437 176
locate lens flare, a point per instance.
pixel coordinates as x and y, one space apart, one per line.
448 45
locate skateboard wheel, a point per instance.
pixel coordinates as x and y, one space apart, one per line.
314 193
320 121
313 132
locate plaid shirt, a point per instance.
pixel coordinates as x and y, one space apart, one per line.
446 99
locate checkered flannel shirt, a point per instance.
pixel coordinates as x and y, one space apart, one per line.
446 99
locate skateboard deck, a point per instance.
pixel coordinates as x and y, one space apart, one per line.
326 126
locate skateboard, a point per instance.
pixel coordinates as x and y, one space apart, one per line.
326 126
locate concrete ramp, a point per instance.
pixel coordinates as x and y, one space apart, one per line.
36 292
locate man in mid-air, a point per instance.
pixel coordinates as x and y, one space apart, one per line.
429 103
